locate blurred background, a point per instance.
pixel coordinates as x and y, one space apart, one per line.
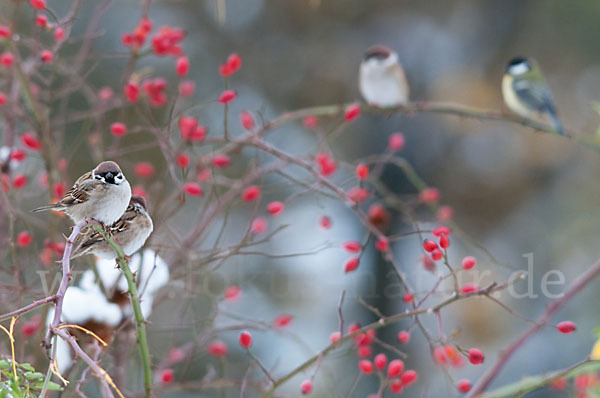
515 192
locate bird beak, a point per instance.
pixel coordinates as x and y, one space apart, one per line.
109 176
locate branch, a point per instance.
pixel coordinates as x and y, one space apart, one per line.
532 383
140 324
379 324
506 354
29 307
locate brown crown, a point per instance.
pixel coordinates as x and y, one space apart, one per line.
379 51
138 199
106 167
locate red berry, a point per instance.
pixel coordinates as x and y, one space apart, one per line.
429 195
351 264
429 245
31 142
232 292
182 66
4 32
59 34
327 165
353 328
217 348
365 366
351 112
247 120
383 244
380 361
187 88
310 122
444 242
469 288
469 262
17 155
362 172
118 129
167 376
41 20
59 189
30 327
306 387
183 160
144 169
245 339
38 4
2 99
19 181
566 327
132 91
227 96
352 246
275 208
463 385
441 230
176 355
190 130
251 193
403 336
358 195
444 213
364 351
437 255
476 357
233 64
409 377
325 222
439 356
396 142
7 59
283 320
258 226
335 336
408 297
428 263
396 386
395 368
221 161
193 189
24 239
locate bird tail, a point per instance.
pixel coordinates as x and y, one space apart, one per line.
557 123
53 206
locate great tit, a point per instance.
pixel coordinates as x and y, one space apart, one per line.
526 92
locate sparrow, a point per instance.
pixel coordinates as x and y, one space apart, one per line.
131 232
101 194
381 80
526 92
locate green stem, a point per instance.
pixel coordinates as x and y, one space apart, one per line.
140 324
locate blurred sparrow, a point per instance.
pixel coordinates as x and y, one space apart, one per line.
101 194
382 81
131 232
526 92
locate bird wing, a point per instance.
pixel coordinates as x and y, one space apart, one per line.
535 94
80 191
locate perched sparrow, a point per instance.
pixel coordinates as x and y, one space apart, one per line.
382 81
526 92
131 232
101 194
